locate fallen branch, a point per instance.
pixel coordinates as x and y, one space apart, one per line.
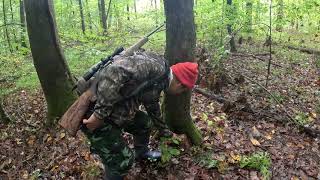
210 95
272 96
254 56
310 131
305 50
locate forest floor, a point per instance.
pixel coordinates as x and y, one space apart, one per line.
252 140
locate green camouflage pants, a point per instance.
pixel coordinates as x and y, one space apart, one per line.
109 144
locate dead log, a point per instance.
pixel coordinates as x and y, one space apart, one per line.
305 50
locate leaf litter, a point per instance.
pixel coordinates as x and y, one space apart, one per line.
31 151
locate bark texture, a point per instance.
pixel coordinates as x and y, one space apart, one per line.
49 61
180 45
230 16
83 26
23 24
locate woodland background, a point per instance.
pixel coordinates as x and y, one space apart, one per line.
257 104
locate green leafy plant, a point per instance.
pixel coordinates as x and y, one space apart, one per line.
206 160
259 161
302 119
169 148
279 97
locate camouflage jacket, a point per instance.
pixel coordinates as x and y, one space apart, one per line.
124 75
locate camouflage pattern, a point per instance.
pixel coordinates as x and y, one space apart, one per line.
109 144
119 113
119 79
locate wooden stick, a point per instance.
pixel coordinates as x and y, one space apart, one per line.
210 95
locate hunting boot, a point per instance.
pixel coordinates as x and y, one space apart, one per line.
142 151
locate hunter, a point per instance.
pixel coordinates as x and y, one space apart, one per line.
116 111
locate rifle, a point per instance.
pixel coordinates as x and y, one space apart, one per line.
87 84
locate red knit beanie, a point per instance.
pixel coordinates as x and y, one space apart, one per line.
186 73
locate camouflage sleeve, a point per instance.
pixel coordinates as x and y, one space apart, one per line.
152 106
111 81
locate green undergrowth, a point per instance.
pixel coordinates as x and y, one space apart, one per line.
260 161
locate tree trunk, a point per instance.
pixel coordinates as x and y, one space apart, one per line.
135 7
13 29
6 27
103 16
180 45
230 16
49 61
23 24
108 13
83 26
89 15
280 15
248 27
128 12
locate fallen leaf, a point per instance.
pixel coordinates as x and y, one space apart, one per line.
254 141
18 141
268 137
62 135
235 157
25 175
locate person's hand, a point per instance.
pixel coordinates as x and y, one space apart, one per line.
165 133
93 122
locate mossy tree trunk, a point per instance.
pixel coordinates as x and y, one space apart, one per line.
180 45
49 61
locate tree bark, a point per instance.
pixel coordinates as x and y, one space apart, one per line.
128 12
83 26
49 61
230 16
180 45
103 15
135 7
280 15
23 24
89 15
248 27
108 13
6 28
14 29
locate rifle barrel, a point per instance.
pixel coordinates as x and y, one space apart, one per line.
148 35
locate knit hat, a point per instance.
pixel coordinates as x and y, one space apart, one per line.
186 73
